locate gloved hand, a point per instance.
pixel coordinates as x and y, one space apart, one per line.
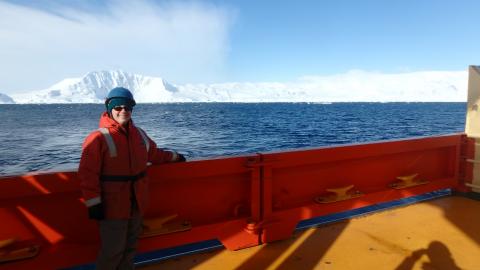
181 158
96 212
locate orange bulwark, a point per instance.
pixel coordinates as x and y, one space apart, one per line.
237 202
241 201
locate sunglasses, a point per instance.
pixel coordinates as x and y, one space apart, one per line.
119 108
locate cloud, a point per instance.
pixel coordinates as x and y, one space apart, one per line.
182 41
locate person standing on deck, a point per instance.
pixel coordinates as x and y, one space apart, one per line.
113 178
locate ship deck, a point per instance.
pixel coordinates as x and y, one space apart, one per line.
436 234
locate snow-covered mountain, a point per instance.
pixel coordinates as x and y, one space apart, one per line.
94 86
354 86
4 99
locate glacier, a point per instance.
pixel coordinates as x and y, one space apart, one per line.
353 86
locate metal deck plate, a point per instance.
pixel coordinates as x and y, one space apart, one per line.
437 234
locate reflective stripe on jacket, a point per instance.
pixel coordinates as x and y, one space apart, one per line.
127 163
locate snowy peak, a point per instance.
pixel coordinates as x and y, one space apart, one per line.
96 84
103 81
94 87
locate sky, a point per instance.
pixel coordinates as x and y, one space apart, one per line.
45 41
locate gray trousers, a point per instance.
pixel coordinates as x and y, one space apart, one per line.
119 242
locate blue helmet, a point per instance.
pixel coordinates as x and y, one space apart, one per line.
120 92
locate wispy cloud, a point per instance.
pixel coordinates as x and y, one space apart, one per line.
182 41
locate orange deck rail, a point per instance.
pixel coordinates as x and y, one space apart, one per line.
242 201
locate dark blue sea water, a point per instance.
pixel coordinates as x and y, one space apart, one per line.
49 137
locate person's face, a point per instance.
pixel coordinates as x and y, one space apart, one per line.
122 114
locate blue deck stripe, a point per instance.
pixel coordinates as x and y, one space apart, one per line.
304 224
168 253
163 254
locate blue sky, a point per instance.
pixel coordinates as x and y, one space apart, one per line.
225 41
327 37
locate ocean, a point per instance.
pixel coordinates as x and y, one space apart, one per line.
49 137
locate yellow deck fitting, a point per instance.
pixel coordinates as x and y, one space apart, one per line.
8 254
339 194
407 181
164 225
6 242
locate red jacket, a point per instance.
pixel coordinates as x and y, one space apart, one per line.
108 179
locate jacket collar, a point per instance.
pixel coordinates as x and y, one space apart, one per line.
107 122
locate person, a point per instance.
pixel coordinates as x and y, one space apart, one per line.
113 179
